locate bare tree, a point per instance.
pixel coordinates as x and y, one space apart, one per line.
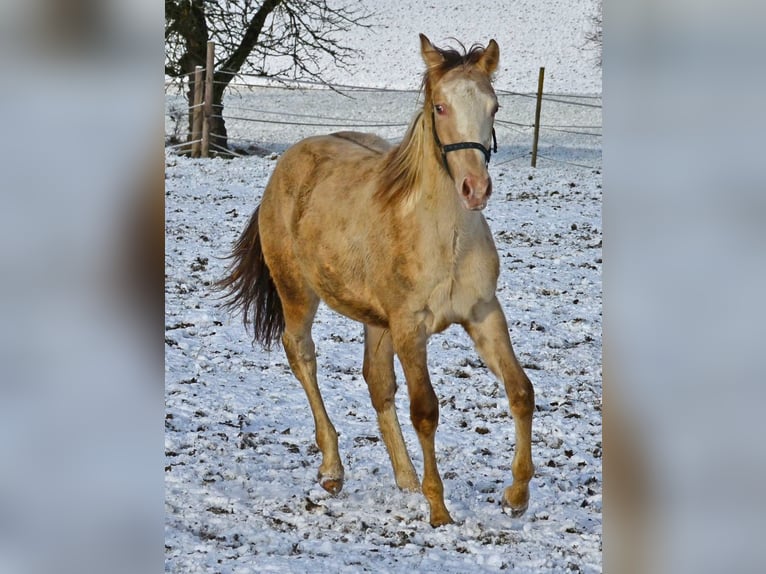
285 39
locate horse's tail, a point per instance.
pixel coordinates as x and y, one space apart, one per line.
250 288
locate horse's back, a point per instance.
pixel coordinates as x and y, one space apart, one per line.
341 148
371 142
326 173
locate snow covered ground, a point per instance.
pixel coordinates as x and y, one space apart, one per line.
530 34
241 494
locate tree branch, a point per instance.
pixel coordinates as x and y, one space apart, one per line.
239 56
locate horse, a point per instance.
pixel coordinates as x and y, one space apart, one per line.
394 238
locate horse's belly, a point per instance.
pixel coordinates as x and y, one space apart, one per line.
347 293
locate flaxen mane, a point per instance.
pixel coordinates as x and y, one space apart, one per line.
401 172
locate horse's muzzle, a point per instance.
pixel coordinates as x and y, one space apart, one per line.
475 192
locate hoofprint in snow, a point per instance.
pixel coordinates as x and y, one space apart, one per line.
241 490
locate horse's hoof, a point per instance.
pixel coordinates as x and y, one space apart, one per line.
515 505
515 511
332 485
437 521
409 485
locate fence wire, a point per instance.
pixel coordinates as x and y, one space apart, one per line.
310 120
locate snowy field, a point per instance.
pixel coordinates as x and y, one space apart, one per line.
530 34
241 494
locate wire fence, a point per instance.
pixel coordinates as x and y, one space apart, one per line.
270 115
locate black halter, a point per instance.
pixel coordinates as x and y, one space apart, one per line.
445 149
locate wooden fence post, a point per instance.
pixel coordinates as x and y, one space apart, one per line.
196 134
540 80
208 106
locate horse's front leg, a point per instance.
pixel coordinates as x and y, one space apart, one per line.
410 346
489 331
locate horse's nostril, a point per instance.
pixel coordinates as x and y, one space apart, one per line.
466 188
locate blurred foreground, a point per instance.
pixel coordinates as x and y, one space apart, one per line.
81 257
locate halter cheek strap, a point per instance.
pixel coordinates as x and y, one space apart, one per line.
445 149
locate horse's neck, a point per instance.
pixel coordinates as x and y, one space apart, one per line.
442 217
433 200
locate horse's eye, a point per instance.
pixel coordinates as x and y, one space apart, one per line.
439 109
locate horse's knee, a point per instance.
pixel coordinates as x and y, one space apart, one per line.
521 396
381 401
424 413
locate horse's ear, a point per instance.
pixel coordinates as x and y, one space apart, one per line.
490 58
431 56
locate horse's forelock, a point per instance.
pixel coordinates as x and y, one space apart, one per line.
451 59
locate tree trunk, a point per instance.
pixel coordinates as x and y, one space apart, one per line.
189 19
218 133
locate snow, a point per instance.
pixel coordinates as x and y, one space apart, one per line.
241 490
530 34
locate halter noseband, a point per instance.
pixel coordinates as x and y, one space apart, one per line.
445 149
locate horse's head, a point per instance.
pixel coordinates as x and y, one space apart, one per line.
460 106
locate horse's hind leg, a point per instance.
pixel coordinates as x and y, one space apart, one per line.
299 347
379 373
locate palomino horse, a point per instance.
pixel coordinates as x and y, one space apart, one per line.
392 237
